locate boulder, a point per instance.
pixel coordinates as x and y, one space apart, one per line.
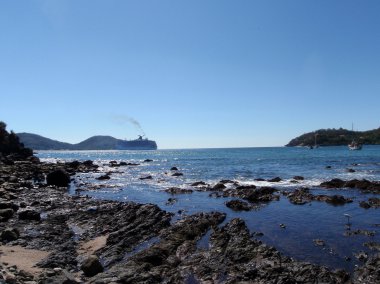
91 266
9 234
29 214
174 169
276 179
177 174
298 178
103 177
6 214
58 177
238 205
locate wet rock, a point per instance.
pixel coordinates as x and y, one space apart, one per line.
177 174
171 201
29 214
58 178
238 205
9 234
351 170
259 179
6 214
276 179
364 185
298 178
334 183
364 204
373 202
369 272
373 246
283 226
362 256
198 183
227 181
319 242
219 186
91 266
177 190
148 160
103 177
359 232
174 169
146 177
302 196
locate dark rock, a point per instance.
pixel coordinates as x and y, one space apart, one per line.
177 190
147 177
171 201
5 205
364 205
219 186
148 160
259 179
74 164
88 163
9 234
351 170
319 242
58 178
174 169
328 167
91 266
245 187
6 214
226 181
177 174
198 183
29 215
298 178
238 205
334 183
103 177
276 179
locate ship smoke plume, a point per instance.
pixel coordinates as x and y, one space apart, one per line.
124 119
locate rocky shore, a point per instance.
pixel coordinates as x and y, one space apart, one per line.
49 236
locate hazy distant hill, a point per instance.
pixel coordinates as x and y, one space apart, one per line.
98 143
337 137
38 142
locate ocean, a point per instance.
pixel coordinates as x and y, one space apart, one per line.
303 223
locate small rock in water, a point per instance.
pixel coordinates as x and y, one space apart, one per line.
103 177
276 179
148 160
298 178
319 242
177 174
283 226
147 177
174 169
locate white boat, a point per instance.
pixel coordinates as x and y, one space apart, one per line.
355 145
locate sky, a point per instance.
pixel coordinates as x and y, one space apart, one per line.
192 74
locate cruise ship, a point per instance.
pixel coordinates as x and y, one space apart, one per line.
137 144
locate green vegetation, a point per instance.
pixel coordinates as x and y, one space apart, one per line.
10 143
336 137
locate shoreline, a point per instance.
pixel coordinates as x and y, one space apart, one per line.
139 242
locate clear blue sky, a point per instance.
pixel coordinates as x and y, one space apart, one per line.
193 73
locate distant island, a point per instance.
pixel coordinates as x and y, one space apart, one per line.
336 137
99 142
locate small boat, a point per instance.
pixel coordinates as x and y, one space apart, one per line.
355 145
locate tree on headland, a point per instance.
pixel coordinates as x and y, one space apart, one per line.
10 143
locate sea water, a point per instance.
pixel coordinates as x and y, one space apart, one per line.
304 223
